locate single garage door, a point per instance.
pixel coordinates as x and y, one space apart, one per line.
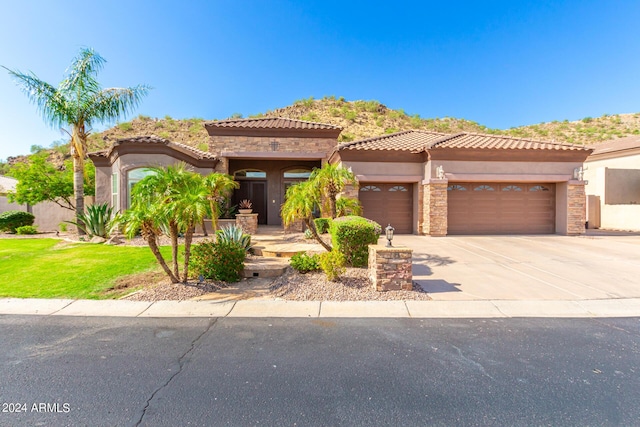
388 204
501 208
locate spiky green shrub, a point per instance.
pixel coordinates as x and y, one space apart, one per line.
10 220
304 262
27 229
322 224
332 263
96 220
234 234
218 260
351 236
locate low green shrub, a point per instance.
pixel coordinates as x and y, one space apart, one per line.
352 235
308 234
10 220
322 225
27 229
304 262
234 234
219 260
332 263
63 227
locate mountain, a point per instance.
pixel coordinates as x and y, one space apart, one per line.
366 119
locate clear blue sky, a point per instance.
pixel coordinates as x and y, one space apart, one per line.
500 63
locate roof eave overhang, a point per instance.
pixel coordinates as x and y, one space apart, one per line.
378 156
119 149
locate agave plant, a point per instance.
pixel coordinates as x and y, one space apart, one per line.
96 220
234 234
245 204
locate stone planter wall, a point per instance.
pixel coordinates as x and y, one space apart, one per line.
248 222
390 268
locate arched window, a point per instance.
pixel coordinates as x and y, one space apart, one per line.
298 173
484 188
511 188
133 177
398 188
539 188
456 187
370 188
249 173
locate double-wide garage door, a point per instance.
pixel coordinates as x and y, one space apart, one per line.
388 204
501 208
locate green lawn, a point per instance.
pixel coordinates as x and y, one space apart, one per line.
49 268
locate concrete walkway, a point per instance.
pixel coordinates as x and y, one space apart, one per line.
625 307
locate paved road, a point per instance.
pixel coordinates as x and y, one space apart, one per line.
319 372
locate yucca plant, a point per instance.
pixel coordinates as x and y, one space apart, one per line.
234 234
96 221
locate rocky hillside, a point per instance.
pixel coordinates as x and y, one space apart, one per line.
365 119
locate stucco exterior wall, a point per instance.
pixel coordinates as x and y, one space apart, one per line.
523 171
613 180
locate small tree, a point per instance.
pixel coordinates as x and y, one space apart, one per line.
300 202
39 181
218 186
331 180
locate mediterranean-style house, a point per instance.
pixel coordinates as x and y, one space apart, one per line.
612 173
420 182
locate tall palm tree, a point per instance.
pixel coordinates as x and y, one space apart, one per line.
76 104
330 181
218 185
300 202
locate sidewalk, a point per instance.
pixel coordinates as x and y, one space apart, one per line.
625 307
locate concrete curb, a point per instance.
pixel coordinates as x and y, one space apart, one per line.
626 307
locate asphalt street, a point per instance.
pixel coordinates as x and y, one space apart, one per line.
106 371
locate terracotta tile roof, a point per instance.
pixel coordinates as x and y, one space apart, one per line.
418 141
409 140
152 139
619 144
269 123
488 141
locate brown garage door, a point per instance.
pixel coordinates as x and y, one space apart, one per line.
388 204
501 208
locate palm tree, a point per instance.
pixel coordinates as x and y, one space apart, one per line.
190 206
143 217
164 186
300 202
218 185
76 104
330 181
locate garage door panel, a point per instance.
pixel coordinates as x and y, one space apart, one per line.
388 204
501 208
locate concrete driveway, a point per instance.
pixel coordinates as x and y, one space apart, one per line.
549 267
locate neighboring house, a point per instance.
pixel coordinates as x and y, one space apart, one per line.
48 215
420 182
613 189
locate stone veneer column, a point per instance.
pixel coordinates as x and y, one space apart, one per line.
576 208
248 222
434 208
390 268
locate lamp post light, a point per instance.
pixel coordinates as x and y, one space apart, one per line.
388 231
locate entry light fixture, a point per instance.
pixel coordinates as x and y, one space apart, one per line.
388 231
